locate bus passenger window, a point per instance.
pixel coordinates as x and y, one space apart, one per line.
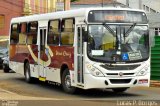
67 35
32 33
14 33
22 34
53 32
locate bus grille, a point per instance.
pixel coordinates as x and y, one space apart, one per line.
120 67
120 81
118 74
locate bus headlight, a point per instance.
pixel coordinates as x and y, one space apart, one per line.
143 71
94 71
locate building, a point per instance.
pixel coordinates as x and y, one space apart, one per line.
8 9
154 23
150 6
16 8
95 3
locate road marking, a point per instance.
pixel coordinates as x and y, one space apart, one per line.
3 90
8 95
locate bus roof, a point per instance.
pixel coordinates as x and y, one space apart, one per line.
64 14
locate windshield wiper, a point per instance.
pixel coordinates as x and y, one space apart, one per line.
109 29
130 29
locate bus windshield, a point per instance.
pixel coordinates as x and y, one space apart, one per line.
118 43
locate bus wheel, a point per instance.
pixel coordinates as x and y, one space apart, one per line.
6 70
66 82
119 90
27 74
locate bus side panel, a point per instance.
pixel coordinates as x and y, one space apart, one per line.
18 54
61 55
12 55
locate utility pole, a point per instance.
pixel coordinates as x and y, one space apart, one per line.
67 4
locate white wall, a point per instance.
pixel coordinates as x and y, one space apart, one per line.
154 4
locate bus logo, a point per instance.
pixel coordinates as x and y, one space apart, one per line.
120 74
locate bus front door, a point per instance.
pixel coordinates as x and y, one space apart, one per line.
79 55
42 56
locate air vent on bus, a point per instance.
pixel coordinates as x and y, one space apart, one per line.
120 81
120 67
117 74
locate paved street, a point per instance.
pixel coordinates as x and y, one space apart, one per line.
16 88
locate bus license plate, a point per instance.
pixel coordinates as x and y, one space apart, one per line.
142 81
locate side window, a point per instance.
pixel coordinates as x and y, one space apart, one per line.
23 33
67 34
14 33
53 32
2 21
32 33
157 31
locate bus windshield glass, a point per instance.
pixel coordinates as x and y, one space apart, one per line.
118 43
115 16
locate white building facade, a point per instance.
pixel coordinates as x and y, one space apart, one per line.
150 6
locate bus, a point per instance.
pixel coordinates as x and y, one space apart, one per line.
93 48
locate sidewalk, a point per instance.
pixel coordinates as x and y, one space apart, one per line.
155 83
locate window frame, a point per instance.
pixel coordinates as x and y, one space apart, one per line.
3 21
28 32
62 30
25 33
157 30
59 30
26 29
18 30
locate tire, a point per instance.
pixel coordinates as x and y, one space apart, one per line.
66 82
119 90
27 74
6 70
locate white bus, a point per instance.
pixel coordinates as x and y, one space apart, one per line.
84 48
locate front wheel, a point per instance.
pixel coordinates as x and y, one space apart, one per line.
66 82
119 90
27 74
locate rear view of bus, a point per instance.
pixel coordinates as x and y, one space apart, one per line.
117 49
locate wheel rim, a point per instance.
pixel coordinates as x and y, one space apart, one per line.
68 81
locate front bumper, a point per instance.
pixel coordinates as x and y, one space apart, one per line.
116 82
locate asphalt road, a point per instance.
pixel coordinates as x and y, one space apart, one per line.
15 83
